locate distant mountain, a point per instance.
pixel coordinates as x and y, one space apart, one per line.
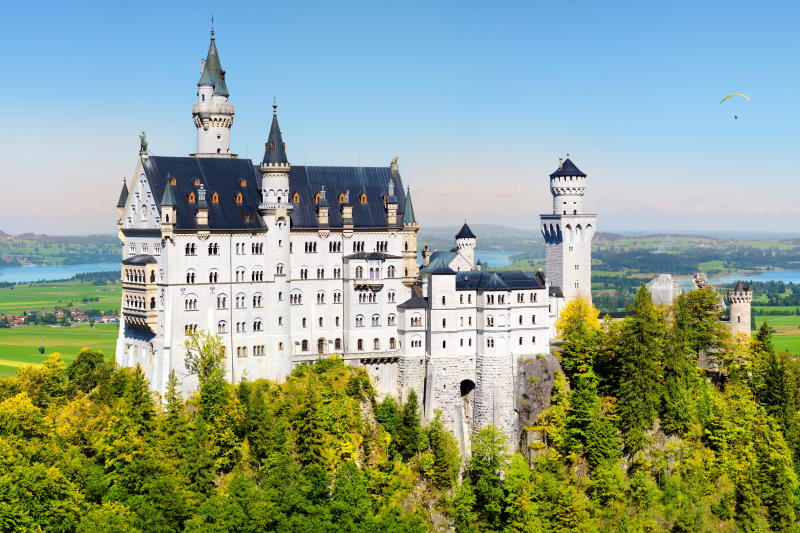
491 238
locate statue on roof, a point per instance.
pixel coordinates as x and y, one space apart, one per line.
142 142
393 164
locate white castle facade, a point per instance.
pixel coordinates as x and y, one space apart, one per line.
288 264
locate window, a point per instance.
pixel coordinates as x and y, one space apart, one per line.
305 322
490 320
257 248
390 272
444 344
320 321
461 298
533 340
240 301
213 276
376 344
304 344
391 296
376 320
337 344
257 300
360 345
443 300
258 350
188 329
296 198
213 249
577 285
280 296
222 301
257 325
257 275
280 346
359 272
320 297
520 320
363 198
190 303
416 320
241 351
577 267
337 297
238 198
190 277
190 249
240 273
520 341
320 273
391 320
337 273
296 298
490 342
280 320
190 197
359 321
444 323
303 273
469 298
215 198
533 319
392 343
279 269
222 327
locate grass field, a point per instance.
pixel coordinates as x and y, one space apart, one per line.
787 331
44 296
20 346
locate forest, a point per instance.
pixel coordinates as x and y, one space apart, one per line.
638 437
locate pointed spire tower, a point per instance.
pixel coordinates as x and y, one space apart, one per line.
213 115
465 243
275 169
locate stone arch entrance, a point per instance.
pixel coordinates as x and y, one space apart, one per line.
467 390
321 346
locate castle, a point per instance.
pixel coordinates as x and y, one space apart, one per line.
288 264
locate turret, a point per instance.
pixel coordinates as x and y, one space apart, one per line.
168 210
275 169
567 185
740 299
465 243
212 114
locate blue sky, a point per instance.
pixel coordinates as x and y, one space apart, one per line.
477 99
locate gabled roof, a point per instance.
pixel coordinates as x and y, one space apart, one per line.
504 280
123 195
439 264
567 168
417 301
141 259
408 210
218 175
212 71
308 181
465 232
275 149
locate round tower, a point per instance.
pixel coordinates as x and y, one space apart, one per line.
465 243
212 114
740 299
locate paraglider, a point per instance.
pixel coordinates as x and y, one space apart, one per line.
736 117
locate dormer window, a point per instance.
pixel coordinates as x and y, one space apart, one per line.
271 145
341 198
238 198
296 198
316 199
363 198
215 198
243 183
173 181
196 182
190 197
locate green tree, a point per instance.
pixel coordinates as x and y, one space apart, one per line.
409 434
446 458
640 357
485 473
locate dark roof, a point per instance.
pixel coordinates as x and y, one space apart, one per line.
439 264
275 148
212 71
123 195
465 232
169 197
501 280
221 175
308 181
141 259
408 210
555 291
567 168
740 286
371 256
417 301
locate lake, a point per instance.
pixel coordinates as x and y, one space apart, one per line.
494 259
27 274
787 276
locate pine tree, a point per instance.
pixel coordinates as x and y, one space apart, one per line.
198 464
445 454
485 472
409 438
640 360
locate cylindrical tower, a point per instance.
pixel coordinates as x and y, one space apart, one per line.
212 114
740 299
465 243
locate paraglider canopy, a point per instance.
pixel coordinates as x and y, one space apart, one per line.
735 94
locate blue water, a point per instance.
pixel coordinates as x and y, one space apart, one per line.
787 276
47 273
494 259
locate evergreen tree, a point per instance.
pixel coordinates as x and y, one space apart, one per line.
309 436
640 358
444 448
198 462
485 473
409 434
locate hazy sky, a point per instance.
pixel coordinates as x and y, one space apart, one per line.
478 99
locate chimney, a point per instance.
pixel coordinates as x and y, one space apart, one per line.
426 256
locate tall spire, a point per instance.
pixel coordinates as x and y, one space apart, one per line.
168 199
213 74
123 194
408 209
275 148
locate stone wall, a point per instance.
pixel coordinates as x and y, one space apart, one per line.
494 395
534 385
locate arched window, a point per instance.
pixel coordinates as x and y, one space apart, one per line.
257 325
279 269
337 344
360 345
222 327
304 345
190 197
392 343
222 301
376 320
341 198
243 183
376 344
391 320
190 277
215 198
359 272
390 272
359 321
296 198
363 198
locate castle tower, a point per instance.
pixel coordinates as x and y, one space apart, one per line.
465 243
740 298
568 234
410 229
212 114
275 207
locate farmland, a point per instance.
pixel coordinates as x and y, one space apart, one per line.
44 297
20 346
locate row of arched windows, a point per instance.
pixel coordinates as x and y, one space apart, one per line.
311 247
391 320
138 276
335 246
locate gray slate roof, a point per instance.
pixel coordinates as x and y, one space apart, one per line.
501 280
408 210
567 168
123 195
371 256
465 232
141 259
275 148
417 301
212 71
439 263
223 176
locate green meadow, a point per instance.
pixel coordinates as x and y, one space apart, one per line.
20 346
45 296
787 331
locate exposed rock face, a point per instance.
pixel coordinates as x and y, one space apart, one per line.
534 385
